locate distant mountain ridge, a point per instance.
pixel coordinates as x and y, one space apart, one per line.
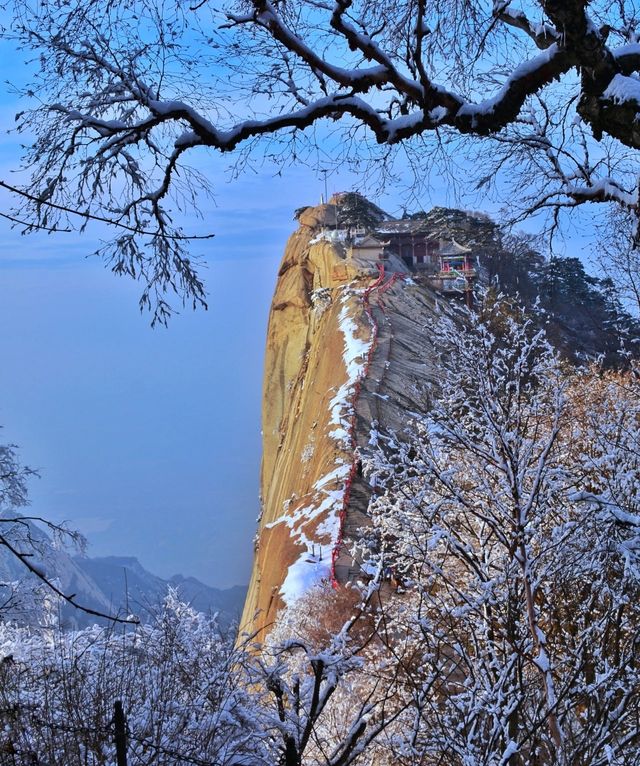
127 585
113 585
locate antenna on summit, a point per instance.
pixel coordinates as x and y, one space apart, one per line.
326 194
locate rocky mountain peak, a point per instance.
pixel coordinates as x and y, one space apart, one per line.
349 352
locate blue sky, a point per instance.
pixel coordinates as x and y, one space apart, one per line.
147 440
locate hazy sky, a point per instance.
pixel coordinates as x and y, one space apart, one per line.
147 440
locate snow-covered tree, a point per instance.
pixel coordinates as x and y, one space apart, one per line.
620 261
336 688
191 697
510 519
176 679
126 92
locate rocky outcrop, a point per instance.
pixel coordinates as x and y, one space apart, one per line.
348 349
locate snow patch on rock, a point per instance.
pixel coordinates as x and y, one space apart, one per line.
313 566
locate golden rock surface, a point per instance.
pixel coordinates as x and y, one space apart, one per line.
322 277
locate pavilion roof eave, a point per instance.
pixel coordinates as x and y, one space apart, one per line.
455 248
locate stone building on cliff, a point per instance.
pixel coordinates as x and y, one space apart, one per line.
370 233
349 351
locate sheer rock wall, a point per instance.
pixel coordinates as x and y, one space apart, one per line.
319 407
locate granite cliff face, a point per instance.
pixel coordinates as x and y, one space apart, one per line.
348 350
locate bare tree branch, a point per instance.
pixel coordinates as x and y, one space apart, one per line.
126 93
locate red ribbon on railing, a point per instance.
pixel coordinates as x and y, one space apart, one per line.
377 284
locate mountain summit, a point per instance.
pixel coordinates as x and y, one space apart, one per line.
350 351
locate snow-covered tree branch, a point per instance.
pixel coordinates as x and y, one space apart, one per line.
126 93
25 546
510 517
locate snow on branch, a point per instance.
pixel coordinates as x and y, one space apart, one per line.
124 99
508 515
